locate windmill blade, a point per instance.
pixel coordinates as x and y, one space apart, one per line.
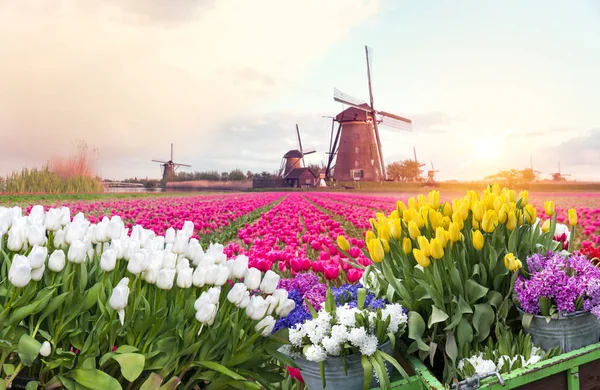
160 161
368 52
309 152
181 165
300 144
395 121
343 98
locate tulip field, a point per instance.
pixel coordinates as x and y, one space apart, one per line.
295 232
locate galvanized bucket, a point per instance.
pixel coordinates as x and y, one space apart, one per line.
570 331
335 377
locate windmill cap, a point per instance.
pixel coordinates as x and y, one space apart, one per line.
293 154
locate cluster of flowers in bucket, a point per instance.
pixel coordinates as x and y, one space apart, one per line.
453 265
100 306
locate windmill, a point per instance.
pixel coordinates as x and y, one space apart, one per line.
168 168
294 158
359 153
418 166
559 176
431 175
531 174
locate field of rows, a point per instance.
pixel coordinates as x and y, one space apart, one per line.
294 232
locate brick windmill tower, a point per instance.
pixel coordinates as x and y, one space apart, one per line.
168 168
357 146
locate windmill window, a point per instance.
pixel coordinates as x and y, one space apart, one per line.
355 163
356 136
356 150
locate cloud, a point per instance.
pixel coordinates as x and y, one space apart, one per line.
577 151
130 77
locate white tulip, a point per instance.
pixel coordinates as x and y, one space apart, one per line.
245 300
180 244
182 262
201 301
165 278
115 227
37 215
133 246
273 302
59 239
77 252
45 349
16 239
240 265
5 220
214 293
188 228
36 235
169 260
237 293
75 231
198 278
222 276
151 274
285 307
19 274
252 278
66 216
156 259
56 263
37 256
216 254
102 231
184 278
137 263
119 297
38 273
170 235
194 249
53 219
212 273
269 283
108 260
207 314
146 237
118 245
265 325
281 294
257 308
135 232
92 234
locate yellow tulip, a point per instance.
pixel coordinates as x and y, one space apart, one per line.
413 230
511 262
524 197
463 210
421 258
343 243
511 220
415 216
386 245
546 226
478 240
475 225
374 223
455 205
424 245
437 250
447 210
490 221
530 214
406 245
369 236
511 196
384 231
457 219
454 231
434 199
496 189
572 217
488 201
412 203
498 203
446 222
394 215
421 200
517 265
400 207
376 250
478 210
396 228
503 214
549 208
440 234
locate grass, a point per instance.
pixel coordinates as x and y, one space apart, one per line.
7 200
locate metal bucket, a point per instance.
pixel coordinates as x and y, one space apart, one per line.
571 331
335 377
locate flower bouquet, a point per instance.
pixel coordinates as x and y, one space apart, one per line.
340 345
560 300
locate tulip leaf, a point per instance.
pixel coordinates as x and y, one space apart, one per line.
105 358
494 298
28 349
456 281
8 368
482 320
464 333
53 305
2 384
416 327
451 348
171 384
219 368
24 312
152 383
91 296
475 291
436 316
132 365
126 349
95 379
33 385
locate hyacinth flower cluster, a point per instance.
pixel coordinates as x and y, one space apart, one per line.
70 279
559 283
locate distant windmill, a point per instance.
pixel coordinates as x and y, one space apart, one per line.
431 175
417 163
359 151
168 168
534 173
294 158
558 176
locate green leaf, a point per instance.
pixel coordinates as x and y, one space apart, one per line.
132 365
464 333
53 305
8 369
2 384
416 327
22 312
457 283
451 348
91 296
33 385
126 349
437 315
152 383
483 318
95 379
526 320
28 349
368 369
494 298
475 291
545 304
219 368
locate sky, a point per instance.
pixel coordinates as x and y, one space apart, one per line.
489 85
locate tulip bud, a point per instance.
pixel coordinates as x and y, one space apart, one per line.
170 235
546 226
108 260
369 236
222 275
424 245
265 326
343 243
257 308
37 235
56 263
252 278
458 221
437 250
119 297
421 259
490 221
407 245
180 244
441 235
376 250
454 232
530 214
511 221
16 239
184 278
413 230
150 275
207 314
37 273
478 210
269 282
137 263
524 197
434 199
400 207
503 214
19 274
572 217
165 278
549 208
478 240
240 265
237 293
188 228
198 277
37 256
169 260
45 349
214 294
77 252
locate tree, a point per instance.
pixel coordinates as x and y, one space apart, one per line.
396 171
237 175
315 168
250 175
514 176
407 170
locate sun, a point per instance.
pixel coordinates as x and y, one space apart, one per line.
486 149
